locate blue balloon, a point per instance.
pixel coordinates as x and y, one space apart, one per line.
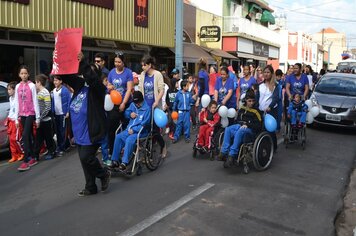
160 118
270 123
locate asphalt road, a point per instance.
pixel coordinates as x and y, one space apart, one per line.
299 195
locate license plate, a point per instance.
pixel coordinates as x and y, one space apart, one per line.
333 118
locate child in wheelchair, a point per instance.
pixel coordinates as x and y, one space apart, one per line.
209 119
249 122
297 112
139 114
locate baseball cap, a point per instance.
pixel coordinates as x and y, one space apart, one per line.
137 97
175 71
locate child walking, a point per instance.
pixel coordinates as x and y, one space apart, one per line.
182 103
26 108
44 131
209 118
13 132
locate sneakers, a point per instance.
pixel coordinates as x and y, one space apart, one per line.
229 162
107 162
114 164
48 157
85 192
187 140
59 153
122 167
23 167
105 181
32 162
174 141
164 151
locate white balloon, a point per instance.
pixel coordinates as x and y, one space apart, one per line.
108 104
315 111
223 111
205 100
310 118
224 122
309 104
231 113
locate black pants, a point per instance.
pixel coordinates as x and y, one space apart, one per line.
91 166
27 136
193 114
44 133
157 135
115 117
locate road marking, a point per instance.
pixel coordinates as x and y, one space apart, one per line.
165 211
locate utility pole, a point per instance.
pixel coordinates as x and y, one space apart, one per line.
322 44
331 43
179 35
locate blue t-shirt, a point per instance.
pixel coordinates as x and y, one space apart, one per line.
245 85
297 86
223 90
120 80
79 116
148 87
204 75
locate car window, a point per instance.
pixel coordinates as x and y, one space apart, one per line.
338 86
3 94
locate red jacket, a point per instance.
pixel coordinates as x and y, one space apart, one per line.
215 119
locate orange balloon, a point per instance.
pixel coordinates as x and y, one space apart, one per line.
174 115
116 97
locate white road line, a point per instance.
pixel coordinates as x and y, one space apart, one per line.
165 211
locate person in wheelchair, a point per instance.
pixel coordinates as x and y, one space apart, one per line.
209 119
139 114
297 112
249 123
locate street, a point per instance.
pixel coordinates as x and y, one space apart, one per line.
300 194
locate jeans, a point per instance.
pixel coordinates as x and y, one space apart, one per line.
60 131
105 149
295 115
91 166
235 134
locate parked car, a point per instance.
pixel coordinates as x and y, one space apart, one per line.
4 111
335 94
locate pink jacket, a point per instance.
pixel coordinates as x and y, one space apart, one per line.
26 103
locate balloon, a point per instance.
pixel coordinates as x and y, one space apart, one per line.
174 115
309 104
223 111
224 122
310 118
108 104
160 118
116 97
231 113
205 100
315 111
270 123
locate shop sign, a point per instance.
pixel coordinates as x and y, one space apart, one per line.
210 33
260 49
102 3
141 13
20 1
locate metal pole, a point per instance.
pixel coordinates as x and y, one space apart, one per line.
331 43
179 35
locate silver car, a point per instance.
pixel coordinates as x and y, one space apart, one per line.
4 111
335 94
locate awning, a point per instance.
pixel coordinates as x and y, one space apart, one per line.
193 52
267 17
262 4
219 53
250 56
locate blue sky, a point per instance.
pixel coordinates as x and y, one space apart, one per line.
312 16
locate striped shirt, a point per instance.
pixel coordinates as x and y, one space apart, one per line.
44 102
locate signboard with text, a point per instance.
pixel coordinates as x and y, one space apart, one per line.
210 33
68 43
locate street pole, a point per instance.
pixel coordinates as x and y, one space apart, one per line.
331 43
179 35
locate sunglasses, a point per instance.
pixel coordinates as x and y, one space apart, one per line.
97 61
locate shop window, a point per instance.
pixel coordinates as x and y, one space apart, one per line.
3 94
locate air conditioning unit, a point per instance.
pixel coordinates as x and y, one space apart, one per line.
106 43
258 16
234 28
48 37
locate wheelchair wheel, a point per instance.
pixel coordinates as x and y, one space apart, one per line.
262 151
153 157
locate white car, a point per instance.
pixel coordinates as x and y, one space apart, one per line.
4 111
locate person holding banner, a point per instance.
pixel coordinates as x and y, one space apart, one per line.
151 86
119 79
88 122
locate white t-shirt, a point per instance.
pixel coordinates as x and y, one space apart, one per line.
265 97
57 97
310 79
12 114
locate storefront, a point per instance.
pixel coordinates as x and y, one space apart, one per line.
26 31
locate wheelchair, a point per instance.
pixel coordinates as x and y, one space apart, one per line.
146 152
294 134
215 142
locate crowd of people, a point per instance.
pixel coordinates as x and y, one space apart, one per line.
73 111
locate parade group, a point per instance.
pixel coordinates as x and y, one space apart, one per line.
44 122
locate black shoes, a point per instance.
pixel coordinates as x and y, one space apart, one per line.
229 162
105 181
85 192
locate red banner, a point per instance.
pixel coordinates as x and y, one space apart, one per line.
141 13
68 43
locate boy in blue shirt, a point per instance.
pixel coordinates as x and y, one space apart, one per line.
182 103
139 114
297 111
